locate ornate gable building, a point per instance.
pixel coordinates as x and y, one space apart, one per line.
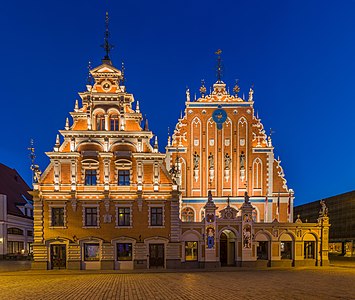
109 200
220 145
105 200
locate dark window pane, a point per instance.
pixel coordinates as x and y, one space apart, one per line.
124 251
91 216
90 177
156 216
57 216
124 216
123 177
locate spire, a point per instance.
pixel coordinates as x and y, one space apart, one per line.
137 107
146 127
57 143
169 140
156 147
219 66
107 46
67 124
76 107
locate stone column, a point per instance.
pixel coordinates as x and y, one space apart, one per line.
248 246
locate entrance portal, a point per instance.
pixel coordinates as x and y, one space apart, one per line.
227 248
58 256
156 255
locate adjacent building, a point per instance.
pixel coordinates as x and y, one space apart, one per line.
342 217
110 200
16 215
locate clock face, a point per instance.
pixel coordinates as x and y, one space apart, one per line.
219 116
106 85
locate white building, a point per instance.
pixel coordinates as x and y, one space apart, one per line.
16 215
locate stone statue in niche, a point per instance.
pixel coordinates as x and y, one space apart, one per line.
174 173
211 161
227 161
242 160
196 160
247 236
210 237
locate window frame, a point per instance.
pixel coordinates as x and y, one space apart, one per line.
130 257
93 175
126 177
156 224
54 206
194 253
114 118
85 250
91 206
100 122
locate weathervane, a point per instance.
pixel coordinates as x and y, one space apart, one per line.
89 79
36 173
219 65
123 80
107 46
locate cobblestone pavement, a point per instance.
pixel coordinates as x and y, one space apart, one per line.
297 283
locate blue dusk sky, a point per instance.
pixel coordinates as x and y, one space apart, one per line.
300 55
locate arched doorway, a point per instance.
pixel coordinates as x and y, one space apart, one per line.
227 248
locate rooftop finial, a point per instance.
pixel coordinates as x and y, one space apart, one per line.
123 80
89 79
107 46
219 66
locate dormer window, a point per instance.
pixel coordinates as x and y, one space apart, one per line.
114 123
100 122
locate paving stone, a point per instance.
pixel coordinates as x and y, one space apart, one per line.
297 283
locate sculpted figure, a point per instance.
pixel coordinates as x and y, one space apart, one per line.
211 160
196 160
227 161
242 160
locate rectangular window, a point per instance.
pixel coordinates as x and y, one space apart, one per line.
309 250
57 216
14 247
91 252
29 233
90 216
14 230
123 177
286 250
191 251
124 251
156 216
114 123
90 177
124 216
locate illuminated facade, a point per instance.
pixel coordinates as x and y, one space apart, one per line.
106 200
110 200
235 203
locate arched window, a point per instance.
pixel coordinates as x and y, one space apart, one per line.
100 122
187 215
114 122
